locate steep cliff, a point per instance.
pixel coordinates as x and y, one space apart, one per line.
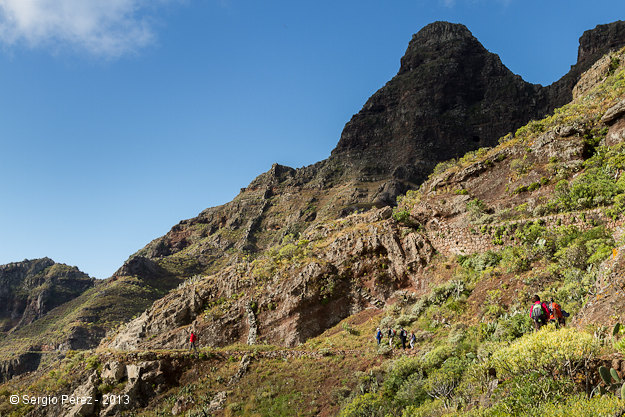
450 96
30 289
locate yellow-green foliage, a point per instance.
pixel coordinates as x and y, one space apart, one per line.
576 406
564 351
291 251
405 203
428 409
369 404
580 406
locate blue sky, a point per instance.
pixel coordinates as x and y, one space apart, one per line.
120 118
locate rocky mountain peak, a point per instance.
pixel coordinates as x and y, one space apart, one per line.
596 42
450 96
436 40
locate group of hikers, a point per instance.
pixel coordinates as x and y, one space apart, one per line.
542 313
403 337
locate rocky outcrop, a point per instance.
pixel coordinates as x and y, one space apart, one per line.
25 362
252 324
85 398
348 266
593 44
30 289
615 119
450 96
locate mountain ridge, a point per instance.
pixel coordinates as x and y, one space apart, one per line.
265 227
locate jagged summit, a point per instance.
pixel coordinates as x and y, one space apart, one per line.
437 38
450 95
594 42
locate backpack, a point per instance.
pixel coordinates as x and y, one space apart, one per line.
557 310
538 314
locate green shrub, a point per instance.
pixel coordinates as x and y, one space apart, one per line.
367 405
385 350
401 216
511 327
397 372
517 395
435 357
575 406
406 319
427 409
521 165
442 382
514 259
480 261
411 391
349 329
476 208
562 352
581 406
530 233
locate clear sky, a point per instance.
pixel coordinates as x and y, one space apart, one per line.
120 118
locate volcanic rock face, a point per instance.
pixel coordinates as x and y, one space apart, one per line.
450 96
345 268
30 289
593 44
596 42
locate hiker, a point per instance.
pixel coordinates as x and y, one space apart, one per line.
403 335
539 312
391 334
413 339
378 336
192 340
556 315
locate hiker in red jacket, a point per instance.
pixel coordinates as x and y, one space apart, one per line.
192 340
539 313
556 315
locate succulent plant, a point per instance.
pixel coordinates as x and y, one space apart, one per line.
612 381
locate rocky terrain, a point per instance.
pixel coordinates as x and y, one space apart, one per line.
302 266
30 289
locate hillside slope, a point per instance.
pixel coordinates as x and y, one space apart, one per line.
286 264
456 262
